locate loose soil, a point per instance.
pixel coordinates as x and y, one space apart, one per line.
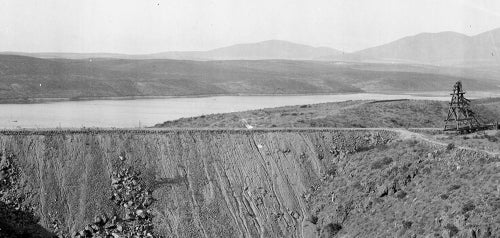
244 183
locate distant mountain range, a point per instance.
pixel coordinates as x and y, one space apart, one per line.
272 49
444 48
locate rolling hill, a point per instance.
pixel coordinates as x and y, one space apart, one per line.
272 49
24 79
348 114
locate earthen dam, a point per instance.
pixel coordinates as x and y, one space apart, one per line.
216 182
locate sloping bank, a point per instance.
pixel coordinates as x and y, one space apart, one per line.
234 183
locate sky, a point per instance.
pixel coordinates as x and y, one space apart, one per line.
150 26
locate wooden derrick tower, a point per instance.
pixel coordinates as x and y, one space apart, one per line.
460 117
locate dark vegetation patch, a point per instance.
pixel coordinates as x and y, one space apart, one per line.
469 206
407 224
452 229
330 230
444 196
381 162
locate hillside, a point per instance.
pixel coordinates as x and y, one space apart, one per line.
24 79
271 49
238 183
358 114
444 48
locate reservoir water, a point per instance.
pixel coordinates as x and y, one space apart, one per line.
148 112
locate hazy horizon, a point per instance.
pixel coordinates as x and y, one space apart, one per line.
131 27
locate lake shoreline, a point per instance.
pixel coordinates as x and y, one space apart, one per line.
53 100
131 112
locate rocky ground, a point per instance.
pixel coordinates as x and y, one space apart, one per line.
409 190
134 220
17 218
244 183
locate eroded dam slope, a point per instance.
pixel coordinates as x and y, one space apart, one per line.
240 183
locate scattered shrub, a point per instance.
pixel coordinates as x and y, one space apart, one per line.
444 196
411 143
452 229
426 170
382 146
494 203
331 230
332 171
357 185
454 187
450 146
491 138
407 224
468 207
313 219
381 162
401 194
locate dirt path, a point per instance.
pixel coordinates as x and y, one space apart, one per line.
405 134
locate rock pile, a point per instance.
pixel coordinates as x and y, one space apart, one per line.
7 172
16 215
134 200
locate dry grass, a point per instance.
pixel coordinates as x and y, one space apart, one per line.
483 140
408 188
393 114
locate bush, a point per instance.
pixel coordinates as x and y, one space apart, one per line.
381 162
407 224
313 219
444 196
468 207
401 194
452 229
450 146
332 171
331 230
491 138
497 134
454 187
